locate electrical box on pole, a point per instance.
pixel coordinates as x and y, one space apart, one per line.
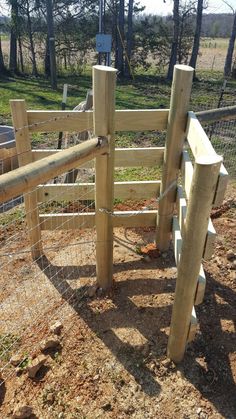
103 42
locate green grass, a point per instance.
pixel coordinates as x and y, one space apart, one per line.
13 216
8 345
138 173
146 91
38 94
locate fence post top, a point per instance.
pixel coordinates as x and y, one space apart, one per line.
208 160
105 68
184 67
17 100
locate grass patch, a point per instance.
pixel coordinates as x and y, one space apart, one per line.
8 345
15 216
146 91
138 173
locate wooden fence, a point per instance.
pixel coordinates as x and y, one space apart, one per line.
203 184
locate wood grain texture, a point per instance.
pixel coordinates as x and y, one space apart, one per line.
177 243
23 147
124 157
86 191
200 146
75 221
177 119
206 172
104 82
193 326
181 205
214 115
25 178
125 120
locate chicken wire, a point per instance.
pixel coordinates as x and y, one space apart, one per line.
34 294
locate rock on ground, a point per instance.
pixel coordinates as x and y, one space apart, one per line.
16 360
35 365
49 343
56 328
22 412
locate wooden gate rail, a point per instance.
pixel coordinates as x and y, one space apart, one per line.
74 221
177 245
214 115
134 190
124 157
125 120
25 178
181 204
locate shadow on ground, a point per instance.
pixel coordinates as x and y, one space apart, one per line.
207 361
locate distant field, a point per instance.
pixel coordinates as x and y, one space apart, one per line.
211 57
212 54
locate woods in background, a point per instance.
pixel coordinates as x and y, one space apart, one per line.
45 35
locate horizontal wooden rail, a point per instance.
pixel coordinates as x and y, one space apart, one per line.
124 157
25 178
125 120
75 221
177 243
211 233
200 145
215 115
193 326
186 172
85 191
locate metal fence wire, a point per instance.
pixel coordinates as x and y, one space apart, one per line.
223 138
222 134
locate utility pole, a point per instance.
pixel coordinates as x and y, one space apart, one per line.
51 37
100 29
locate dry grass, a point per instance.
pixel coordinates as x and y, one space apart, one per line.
212 54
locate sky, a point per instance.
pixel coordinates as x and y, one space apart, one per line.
161 8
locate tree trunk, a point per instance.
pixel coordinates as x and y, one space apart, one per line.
129 38
32 49
13 37
21 54
120 39
179 49
174 47
47 59
197 35
229 56
51 39
2 65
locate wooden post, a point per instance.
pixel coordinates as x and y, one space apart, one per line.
23 147
83 135
104 81
194 234
180 96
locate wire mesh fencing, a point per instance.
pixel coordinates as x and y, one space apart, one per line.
222 134
35 294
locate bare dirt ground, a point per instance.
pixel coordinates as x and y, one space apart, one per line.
111 361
